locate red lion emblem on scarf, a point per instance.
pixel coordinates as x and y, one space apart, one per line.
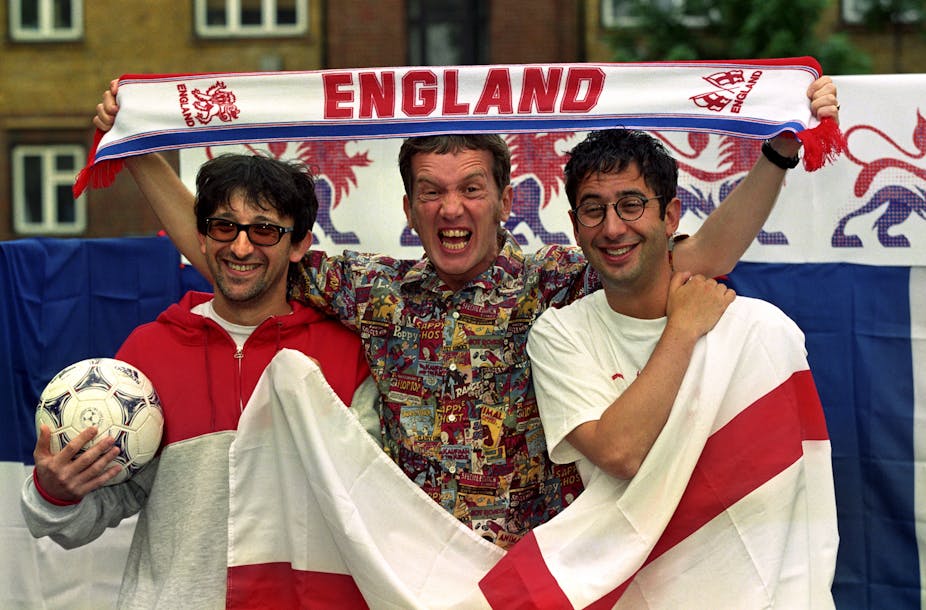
215 102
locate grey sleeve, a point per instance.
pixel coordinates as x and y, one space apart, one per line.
366 406
77 524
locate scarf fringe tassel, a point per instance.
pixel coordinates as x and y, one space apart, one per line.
97 175
822 144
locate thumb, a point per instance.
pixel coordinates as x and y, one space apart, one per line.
43 443
678 280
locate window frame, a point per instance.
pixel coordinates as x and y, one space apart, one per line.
52 180
852 14
420 18
267 28
46 31
612 19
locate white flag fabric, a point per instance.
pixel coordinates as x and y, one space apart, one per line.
320 514
733 507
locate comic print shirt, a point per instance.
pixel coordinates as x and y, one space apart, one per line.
459 414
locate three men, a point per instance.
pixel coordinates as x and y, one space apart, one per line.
445 335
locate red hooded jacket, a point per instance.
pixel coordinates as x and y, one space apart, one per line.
202 380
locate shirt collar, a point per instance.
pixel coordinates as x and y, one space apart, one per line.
505 270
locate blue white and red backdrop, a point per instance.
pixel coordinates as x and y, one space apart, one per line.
844 254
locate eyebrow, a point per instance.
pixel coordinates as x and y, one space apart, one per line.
619 194
260 219
420 180
477 174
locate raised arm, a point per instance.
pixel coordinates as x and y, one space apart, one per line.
728 231
170 199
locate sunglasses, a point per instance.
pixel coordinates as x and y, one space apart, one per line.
260 234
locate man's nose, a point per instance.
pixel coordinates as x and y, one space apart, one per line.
451 205
613 224
242 245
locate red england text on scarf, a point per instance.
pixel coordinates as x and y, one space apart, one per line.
425 92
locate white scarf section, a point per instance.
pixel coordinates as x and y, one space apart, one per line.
750 98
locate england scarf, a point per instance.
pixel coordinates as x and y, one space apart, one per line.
733 507
752 98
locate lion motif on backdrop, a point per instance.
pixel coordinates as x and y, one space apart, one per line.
334 173
899 201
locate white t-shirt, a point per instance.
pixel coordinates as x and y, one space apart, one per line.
237 332
583 356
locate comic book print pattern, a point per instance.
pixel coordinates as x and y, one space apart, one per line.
459 412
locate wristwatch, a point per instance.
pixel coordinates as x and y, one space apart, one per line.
777 158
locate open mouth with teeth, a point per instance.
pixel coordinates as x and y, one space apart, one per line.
454 239
615 252
241 267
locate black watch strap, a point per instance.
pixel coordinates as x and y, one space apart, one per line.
777 158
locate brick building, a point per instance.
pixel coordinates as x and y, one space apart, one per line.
59 55
56 63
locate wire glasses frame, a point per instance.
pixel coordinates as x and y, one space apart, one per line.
628 208
260 234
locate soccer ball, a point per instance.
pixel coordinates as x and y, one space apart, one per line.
112 395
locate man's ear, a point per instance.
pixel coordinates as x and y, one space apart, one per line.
407 208
575 225
673 215
298 249
202 242
506 200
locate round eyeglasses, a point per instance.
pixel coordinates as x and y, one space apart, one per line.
260 234
628 208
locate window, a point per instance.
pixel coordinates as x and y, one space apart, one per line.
42 199
619 13
447 32
251 18
46 20
853 11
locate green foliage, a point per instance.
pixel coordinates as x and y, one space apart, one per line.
839 56
735 29
898 17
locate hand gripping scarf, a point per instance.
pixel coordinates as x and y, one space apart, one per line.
750 98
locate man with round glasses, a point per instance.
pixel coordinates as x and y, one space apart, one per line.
204 356
612 380
621 188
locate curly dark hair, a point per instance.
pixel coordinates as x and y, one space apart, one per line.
284 186
614 150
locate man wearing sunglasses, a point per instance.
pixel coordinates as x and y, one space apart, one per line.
204 356
611 374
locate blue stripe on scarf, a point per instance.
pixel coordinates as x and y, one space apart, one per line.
382 129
